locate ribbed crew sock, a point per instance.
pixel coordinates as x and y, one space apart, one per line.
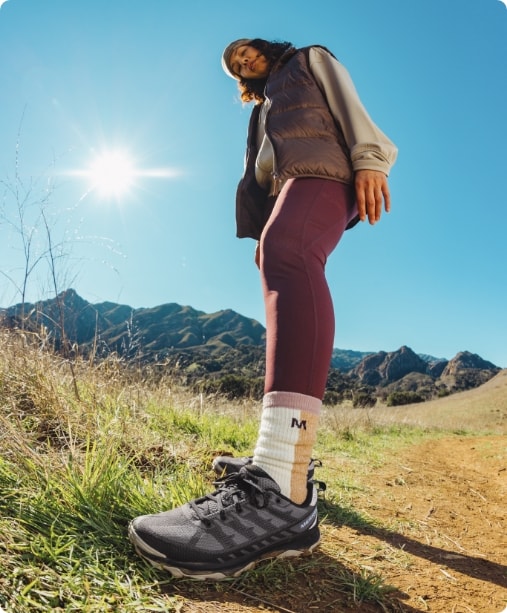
287 435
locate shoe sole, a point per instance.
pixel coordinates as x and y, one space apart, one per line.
155 559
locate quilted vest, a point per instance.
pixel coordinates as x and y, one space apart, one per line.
306 140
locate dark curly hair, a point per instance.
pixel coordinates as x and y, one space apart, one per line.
252 90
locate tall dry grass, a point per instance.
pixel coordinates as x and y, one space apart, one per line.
82 452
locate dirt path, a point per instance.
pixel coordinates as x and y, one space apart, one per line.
446 501
442 542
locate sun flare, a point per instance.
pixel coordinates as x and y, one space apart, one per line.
112 174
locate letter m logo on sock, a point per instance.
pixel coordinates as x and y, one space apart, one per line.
298 424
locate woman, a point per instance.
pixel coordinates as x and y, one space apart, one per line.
316 164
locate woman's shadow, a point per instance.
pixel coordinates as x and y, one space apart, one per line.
476 567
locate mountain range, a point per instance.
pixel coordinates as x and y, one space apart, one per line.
195 345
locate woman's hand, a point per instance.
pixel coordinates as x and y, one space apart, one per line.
371 189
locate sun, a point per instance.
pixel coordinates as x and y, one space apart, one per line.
112 174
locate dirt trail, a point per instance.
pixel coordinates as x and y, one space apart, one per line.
445 504
449 498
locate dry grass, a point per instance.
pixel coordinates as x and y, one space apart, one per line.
481 410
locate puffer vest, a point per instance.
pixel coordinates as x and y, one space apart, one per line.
306 140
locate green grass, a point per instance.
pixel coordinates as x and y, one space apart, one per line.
75 470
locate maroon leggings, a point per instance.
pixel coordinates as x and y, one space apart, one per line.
307 222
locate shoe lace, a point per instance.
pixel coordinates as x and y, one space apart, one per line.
233 489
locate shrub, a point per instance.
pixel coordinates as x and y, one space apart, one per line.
398 398
363 400
233 387
331 397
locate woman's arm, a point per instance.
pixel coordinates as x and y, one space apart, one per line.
372 153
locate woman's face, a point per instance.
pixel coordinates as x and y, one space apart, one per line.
249 63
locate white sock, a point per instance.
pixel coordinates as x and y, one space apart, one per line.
287 435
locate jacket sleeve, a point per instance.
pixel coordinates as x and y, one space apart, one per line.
370 148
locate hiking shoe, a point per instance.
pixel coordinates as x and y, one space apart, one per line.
227 465
245 520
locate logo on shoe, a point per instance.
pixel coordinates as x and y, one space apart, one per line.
309 520
298 424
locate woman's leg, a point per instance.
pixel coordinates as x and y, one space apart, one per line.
306 224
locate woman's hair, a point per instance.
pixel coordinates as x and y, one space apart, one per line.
252 90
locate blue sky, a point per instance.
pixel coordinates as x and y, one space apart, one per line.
81 78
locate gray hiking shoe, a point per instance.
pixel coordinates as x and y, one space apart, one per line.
245 520
225 465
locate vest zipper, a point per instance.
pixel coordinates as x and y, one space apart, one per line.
277 181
